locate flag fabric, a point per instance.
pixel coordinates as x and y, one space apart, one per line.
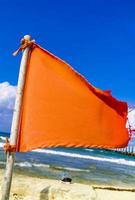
61 108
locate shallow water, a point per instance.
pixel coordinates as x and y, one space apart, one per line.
95 166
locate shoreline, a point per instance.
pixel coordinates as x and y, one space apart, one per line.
49 175
26 187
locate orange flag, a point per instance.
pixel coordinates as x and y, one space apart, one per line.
60 108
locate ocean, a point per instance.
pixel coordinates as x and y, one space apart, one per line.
92 166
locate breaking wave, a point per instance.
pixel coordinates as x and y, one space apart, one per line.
76 155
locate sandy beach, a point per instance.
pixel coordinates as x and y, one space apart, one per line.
31 188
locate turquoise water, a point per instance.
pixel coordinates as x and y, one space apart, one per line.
95 166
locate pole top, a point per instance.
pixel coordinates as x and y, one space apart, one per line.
25 42
27 37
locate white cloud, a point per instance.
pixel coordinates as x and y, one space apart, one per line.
7 99
131 117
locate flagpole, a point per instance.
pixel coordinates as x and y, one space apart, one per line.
15 122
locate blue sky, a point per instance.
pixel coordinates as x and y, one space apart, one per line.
97 37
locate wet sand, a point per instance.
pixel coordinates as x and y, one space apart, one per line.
26 187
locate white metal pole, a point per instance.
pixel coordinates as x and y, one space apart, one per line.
15 122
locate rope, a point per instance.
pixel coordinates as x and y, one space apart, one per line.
24 44
9 148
